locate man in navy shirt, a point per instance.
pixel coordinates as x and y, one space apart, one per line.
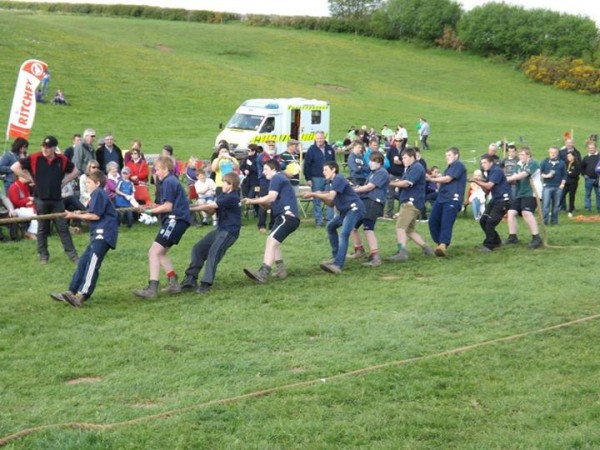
104 227
412 201
284 209
448 202
316 156
212 247
351 211
175 221
495 182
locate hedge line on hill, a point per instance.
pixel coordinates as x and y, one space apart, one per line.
496 30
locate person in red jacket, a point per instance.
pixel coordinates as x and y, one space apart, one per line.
138 168
21 198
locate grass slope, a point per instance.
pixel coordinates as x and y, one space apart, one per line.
165 81
174 82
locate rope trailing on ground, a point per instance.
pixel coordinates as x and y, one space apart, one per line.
302 384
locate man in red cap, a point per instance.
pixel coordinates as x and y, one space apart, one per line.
49 171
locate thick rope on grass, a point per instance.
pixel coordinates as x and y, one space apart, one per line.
52 216
86 426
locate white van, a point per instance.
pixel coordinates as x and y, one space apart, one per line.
261 119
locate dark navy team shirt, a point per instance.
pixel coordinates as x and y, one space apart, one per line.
501 189
107 227
455 190
346 198
415 194
286 198
229 213
172 191
381 179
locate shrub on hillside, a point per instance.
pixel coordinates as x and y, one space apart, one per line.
423 21
564 73
450 40
517 33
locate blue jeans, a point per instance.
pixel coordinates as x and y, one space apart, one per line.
339 245
441 221
318 184
589 187
88 268
551 196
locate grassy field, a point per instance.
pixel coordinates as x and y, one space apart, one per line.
123 373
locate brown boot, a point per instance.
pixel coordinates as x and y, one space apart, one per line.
173 287
150 292
75 300
280 271
260 276
359 253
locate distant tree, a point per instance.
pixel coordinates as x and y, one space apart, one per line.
353 9
517 33
422 20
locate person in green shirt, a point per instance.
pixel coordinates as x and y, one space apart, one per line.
524 202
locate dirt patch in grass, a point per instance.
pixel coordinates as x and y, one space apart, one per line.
164 48
333 87
390 278
80 380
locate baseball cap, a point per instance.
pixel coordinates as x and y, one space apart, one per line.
50 142
292 142
125 171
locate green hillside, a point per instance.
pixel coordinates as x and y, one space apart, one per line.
474 351
174 82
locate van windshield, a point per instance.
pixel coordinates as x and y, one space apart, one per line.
245 122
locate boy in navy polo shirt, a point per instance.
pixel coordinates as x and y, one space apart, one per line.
104 226
284 209
412 201
496 183
448 202
175 221
351 211
373 194
214 245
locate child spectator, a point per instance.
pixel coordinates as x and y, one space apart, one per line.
206 190
104 225
112 178
59 98
125 195
20 196
191 177
176 219
356 165
214 245
477 196
222 165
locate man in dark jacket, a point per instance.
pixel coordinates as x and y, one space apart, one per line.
317 155
108 152
588 170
